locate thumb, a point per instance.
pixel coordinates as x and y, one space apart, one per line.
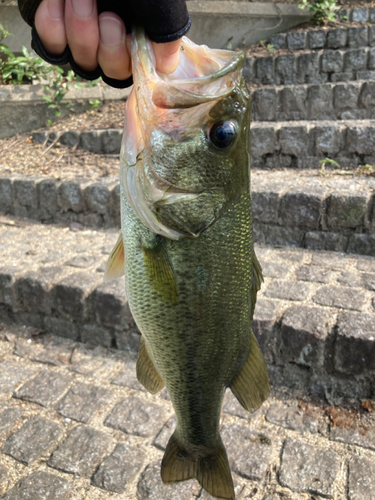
167 56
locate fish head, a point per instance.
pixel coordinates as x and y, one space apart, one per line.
185 151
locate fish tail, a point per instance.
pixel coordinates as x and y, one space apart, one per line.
211 469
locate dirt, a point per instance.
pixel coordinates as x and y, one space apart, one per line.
21 156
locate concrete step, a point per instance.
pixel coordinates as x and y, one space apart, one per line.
314 318
325 101
311 66
303 209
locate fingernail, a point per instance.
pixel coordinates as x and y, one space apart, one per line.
112 31
56 9
83 8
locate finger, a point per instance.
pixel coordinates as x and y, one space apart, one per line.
82 31
113 55
49 23
167 56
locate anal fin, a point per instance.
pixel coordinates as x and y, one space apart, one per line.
115 263
147 374
210 469
251 385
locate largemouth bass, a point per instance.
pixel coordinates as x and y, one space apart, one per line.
191 273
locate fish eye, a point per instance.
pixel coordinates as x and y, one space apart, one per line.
222 134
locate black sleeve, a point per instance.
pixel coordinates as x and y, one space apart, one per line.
163 20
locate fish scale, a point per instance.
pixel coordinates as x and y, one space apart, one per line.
190 270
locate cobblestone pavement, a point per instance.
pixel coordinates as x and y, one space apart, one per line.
76 424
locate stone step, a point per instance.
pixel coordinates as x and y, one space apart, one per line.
352 36
275 144
311 66
303 209
327 101
303 144
314 317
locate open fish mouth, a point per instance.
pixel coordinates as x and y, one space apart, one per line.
175 105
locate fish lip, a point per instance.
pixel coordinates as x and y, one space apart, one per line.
180 93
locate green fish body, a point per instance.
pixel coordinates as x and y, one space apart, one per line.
190 269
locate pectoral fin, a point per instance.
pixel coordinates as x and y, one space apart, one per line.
115 263
147 374
251 385
257 280
160 272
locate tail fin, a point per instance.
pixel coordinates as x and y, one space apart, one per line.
212 471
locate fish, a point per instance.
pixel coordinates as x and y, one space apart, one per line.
186 249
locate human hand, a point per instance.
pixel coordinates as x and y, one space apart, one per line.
95 39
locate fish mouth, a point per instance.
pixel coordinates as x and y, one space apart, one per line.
202 76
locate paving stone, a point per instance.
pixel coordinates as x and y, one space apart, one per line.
166 432
82 401
346 209
10 417
150 487
302 208
361 139
334 261
342 297
128 378
332 61
120 468
88 365
36 439
303 334
350 279
294 141
290 416
318 240
233 407
278 41
313 273
264 141
249 69
309 68
82 261
108 304
274 269
355 346
367 95
337 38
135 416
368 279
62 327
45 388
365 264
54 355
361 243
358 37
82 451
264 104
359 437
40 485
97 335
265 70
291 102
345 97
361 479
297 40
360 15
250 460
317 39
91 141
97 195
285 69
264 319
265 204
355 60
320 102
287 290
308 468
12 374
71 293
70 197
